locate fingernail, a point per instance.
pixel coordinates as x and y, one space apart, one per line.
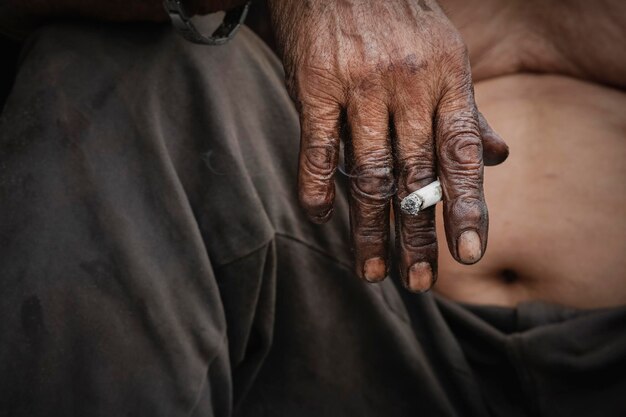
420 277
375 269
469 247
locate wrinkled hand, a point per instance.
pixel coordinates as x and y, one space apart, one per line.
392 78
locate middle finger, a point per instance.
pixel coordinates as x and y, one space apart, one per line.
371 183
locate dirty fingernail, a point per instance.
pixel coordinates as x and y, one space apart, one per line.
469 247
375 269
420 277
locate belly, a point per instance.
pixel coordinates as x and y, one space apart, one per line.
557 206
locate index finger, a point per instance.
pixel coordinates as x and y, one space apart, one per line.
319 150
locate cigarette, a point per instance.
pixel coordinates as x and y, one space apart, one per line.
423 198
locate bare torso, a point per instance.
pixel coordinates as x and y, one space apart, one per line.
558 204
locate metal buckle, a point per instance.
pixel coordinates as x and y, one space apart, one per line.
226 31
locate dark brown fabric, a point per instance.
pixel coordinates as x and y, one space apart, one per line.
10 50
154 262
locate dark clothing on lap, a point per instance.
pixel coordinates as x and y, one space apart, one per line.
154 261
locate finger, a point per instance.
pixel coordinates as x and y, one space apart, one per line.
459 153
415 167
495 150
371 185
319 149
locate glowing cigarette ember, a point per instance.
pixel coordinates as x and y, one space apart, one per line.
424 197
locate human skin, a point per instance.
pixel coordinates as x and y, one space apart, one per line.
577 38
391 78
558 205
566 135
549 79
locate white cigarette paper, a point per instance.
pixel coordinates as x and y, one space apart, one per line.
423 198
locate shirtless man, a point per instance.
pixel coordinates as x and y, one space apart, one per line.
535 258
132 265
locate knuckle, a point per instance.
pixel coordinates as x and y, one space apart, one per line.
411 64
458 122
464 182
415 172
470 210
465 151
419 243
316 203
322 119
417 237
319 161
367 81
374 182
460 141
368 111
370 233
317 83
403 65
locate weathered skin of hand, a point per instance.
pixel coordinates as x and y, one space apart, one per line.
393 80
